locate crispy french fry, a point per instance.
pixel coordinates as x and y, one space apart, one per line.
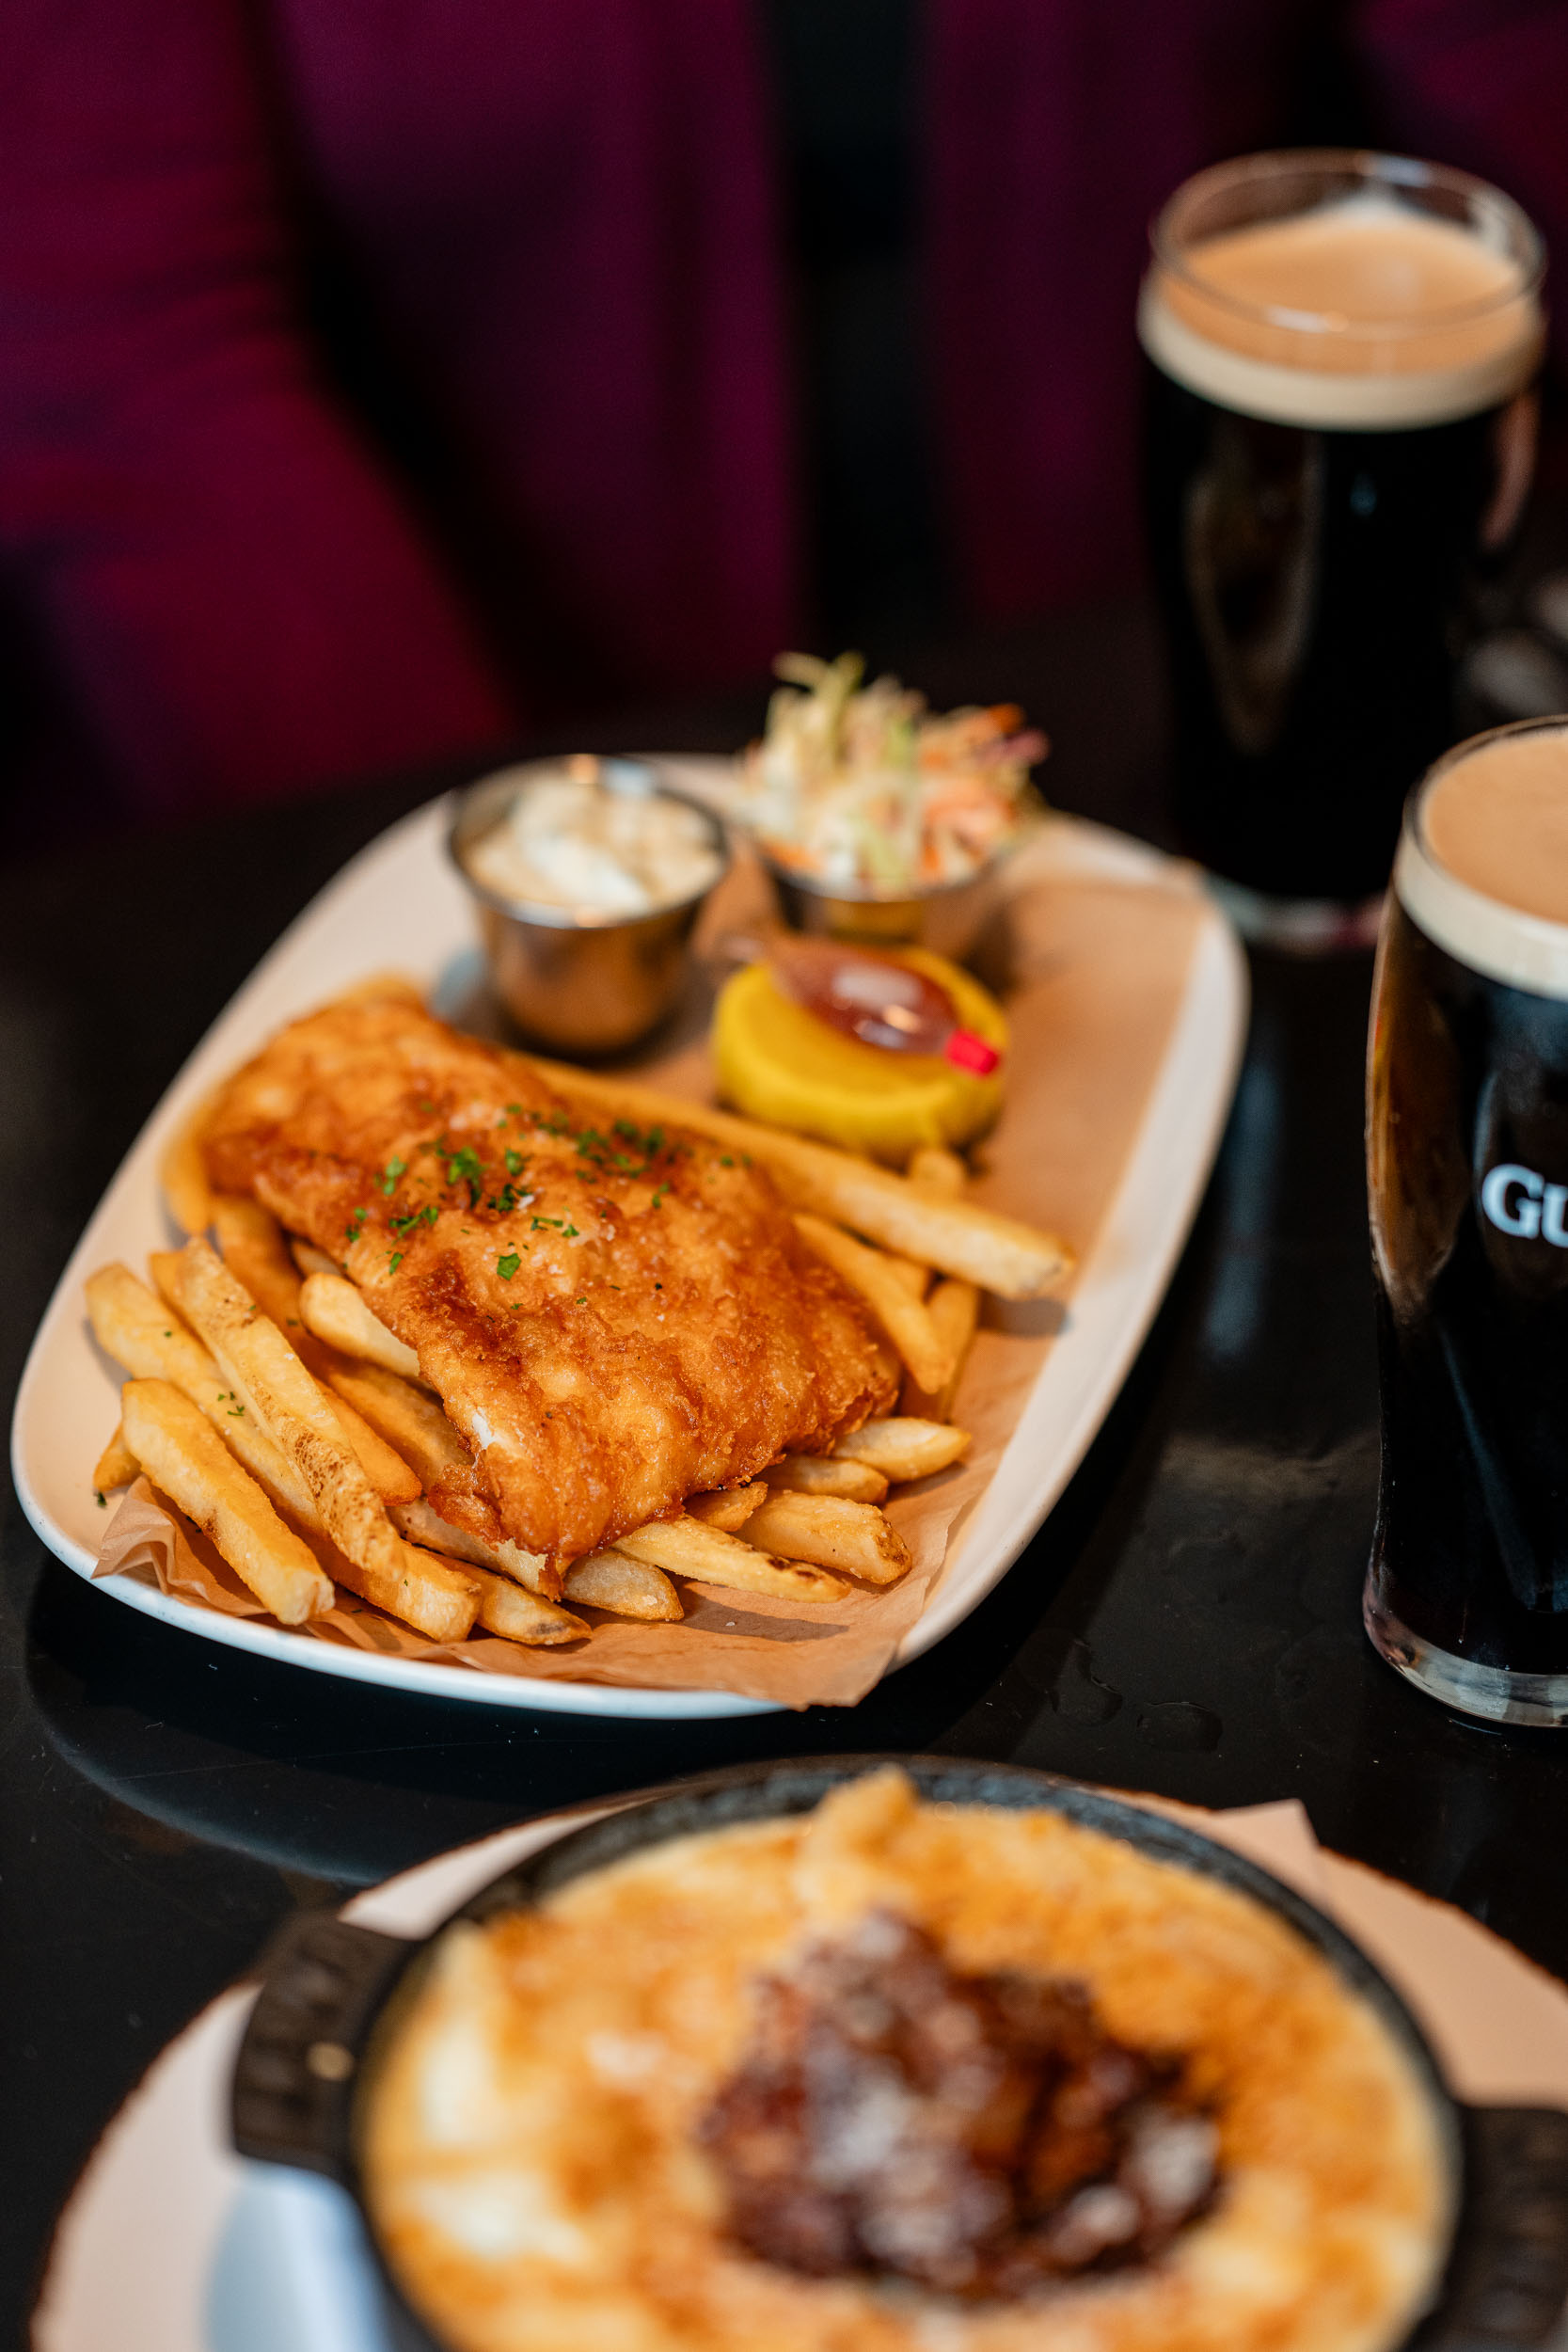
729 1509
907 1271
821 1474
852 1539
686 1547
330 1305
253 1245
394 1480
163 1266
954 1306
437 1598
116 1466
408 1417
422 1524
531 1568
937 1169
310 1260
275 1386
413 1422
1002 1255
906 1449
376 985
519 1615
392 1477
182 1168
183 1455
151 1339
627 1588
903 1318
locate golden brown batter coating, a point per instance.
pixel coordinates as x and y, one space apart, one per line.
533 2150
616 1318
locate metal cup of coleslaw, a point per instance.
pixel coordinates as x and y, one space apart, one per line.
880 820
578 977
947 918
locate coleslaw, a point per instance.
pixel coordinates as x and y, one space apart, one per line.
860 788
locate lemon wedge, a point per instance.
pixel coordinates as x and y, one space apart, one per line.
777 1062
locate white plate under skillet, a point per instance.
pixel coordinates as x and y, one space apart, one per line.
400 904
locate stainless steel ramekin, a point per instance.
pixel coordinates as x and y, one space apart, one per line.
580 982
948 918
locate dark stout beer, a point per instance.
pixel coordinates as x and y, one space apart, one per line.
1467 1181
1340 430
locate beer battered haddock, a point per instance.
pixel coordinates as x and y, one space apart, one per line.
615 1317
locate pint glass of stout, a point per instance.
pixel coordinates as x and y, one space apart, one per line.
1339 433
1468 1180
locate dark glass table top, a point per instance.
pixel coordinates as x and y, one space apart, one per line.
1186 1621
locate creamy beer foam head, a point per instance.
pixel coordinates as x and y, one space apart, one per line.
1482 867
1366 309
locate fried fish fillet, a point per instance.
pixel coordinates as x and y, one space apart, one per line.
616 1317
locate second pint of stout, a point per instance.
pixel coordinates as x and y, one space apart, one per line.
1467 1182
1340 430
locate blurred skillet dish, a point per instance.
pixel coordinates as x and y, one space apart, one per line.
826 2056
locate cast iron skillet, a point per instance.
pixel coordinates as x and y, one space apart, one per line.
331 1995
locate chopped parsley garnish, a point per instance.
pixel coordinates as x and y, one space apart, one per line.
515 1162
416 1217
725 1160
658 1195
506 1268
100 1498
389 1174
464 1166
236 1412
583 1302
394 1261
356 1221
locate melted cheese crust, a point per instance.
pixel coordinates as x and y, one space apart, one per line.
527 2150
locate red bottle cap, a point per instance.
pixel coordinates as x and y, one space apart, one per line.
966 1051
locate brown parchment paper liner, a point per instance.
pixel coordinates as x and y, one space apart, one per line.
1098 970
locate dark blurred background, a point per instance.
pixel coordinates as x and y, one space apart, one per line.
380 386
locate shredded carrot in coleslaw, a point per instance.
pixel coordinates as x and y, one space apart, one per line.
862 789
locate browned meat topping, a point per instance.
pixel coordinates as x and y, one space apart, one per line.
983 2136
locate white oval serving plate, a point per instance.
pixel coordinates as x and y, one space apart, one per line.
398 903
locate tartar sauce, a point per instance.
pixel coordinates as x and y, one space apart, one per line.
567 840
